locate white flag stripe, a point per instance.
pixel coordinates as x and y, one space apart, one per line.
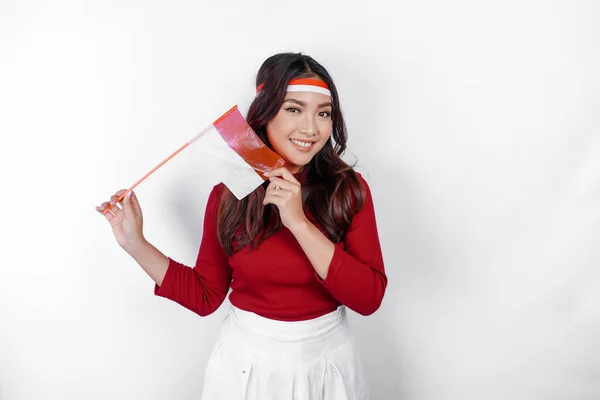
230 168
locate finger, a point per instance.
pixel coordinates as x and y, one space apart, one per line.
273 189
286 185
127 203
131 203
276 200
103 209
119 196
275 172
115 210
115 198
102 206
120 192
116 202
112 206
108 215
135 204
278 172
280 192
275 197
285 194
109 209
283 173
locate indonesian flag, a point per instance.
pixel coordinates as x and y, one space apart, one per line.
243 157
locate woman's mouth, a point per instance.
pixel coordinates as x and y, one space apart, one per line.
302 145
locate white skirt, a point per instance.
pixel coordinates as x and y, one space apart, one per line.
257 358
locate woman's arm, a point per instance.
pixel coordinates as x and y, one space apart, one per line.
203 288
126 221
152 261
352 270
317 247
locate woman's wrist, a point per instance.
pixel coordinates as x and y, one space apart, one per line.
300 227
137 248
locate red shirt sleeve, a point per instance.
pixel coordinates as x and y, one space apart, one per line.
356 276
202 288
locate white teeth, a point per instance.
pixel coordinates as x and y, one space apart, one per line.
303 144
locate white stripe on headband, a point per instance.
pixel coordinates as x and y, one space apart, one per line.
308 88
305 85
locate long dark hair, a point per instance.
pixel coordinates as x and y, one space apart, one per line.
331 191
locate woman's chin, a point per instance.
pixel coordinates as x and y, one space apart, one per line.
296 163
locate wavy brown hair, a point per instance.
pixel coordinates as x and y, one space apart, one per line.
331 190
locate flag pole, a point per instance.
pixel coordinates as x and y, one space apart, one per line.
179 150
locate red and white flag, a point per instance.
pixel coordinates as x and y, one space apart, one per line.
243 157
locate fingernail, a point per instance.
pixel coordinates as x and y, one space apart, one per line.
267 174
129 194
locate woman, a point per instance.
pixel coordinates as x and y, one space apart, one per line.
295 252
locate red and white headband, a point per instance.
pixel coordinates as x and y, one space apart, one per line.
304 85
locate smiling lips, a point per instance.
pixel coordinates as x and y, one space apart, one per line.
302 145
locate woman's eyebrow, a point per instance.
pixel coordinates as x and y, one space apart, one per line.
301 103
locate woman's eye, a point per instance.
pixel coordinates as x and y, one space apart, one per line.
292 109
325 114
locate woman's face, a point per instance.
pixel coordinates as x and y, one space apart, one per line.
301 128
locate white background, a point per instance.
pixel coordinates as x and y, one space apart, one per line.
476 124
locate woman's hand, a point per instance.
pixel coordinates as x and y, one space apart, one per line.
285 192
125 219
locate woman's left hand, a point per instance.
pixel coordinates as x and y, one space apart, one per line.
286 193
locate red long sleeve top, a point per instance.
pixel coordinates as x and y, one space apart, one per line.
277 280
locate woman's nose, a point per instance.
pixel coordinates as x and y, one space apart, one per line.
309 127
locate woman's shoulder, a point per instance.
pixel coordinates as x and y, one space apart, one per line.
218 188
361 179
215 195
360 176
356 188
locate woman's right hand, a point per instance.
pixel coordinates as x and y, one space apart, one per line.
126 220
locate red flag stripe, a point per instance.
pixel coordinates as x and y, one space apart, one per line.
236 132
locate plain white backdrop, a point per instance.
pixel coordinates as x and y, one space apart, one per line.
476 124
